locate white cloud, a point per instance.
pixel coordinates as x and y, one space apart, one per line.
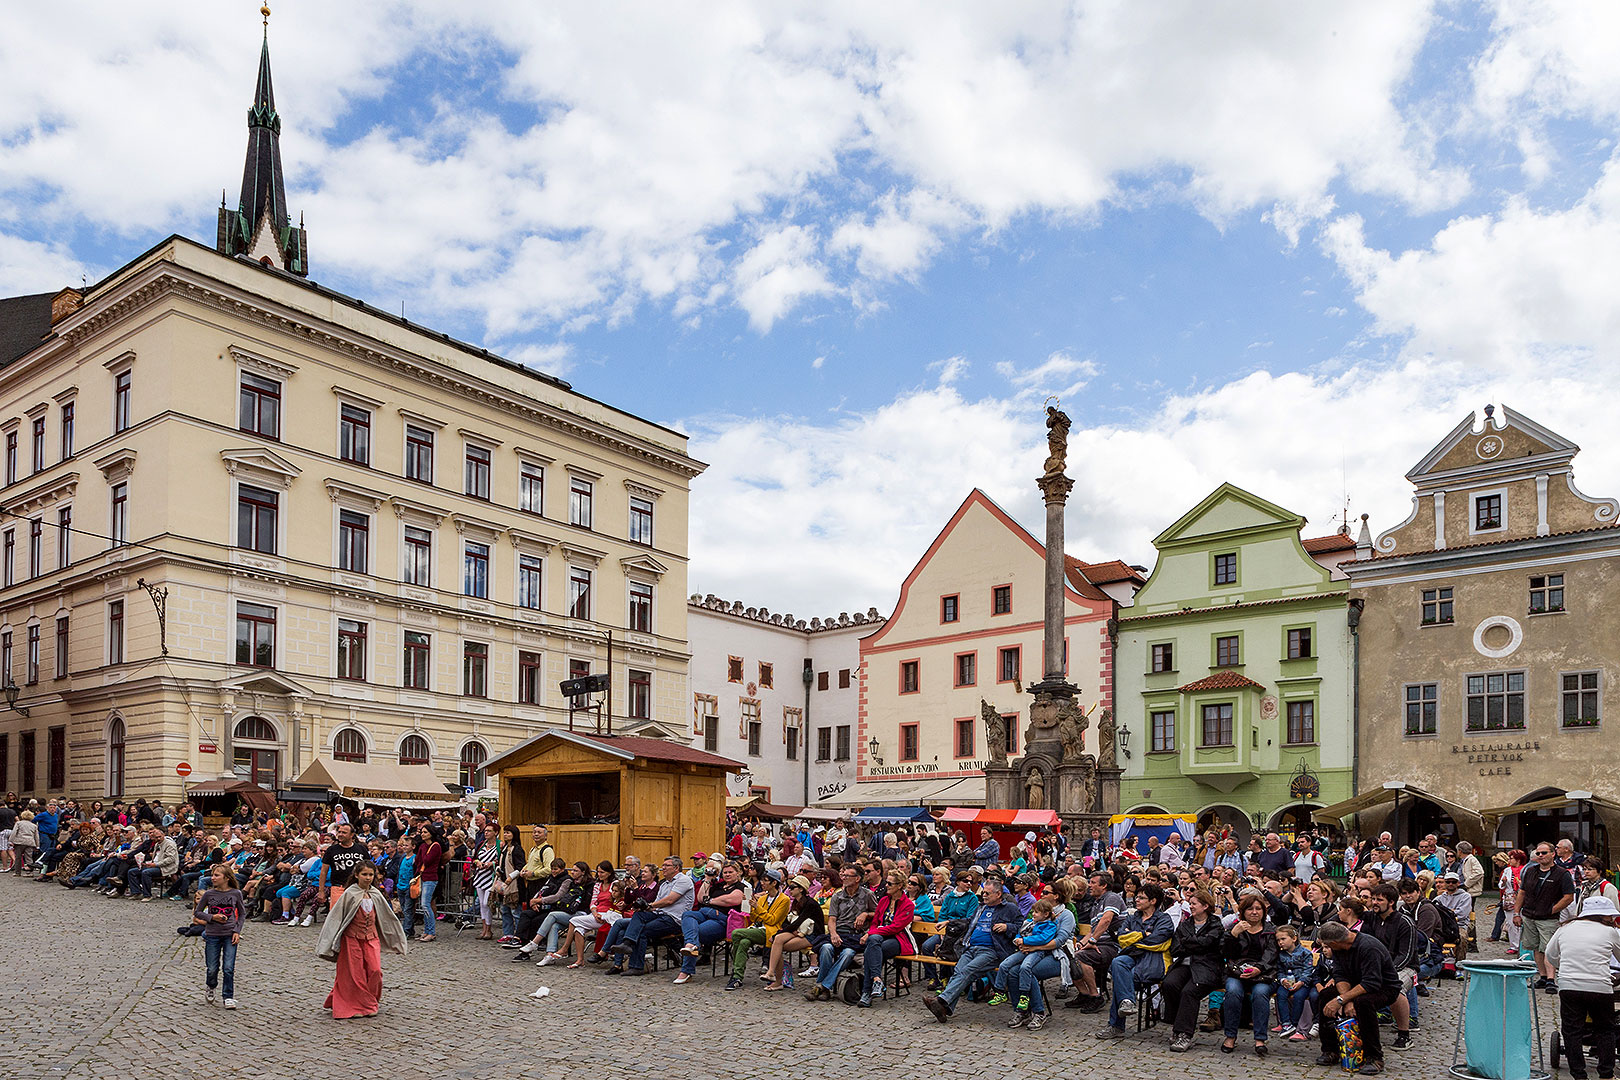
776 273
27 266
1059 374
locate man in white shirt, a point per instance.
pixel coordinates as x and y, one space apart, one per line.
1307 862
1385 862
1170 856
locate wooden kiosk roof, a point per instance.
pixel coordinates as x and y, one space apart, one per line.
623 747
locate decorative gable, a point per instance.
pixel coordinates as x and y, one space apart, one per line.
259 465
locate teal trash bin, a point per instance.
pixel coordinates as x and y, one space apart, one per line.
1498 1023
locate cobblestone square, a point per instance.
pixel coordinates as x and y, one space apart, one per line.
103 989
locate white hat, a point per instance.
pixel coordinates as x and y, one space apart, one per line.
1597 906
1029 836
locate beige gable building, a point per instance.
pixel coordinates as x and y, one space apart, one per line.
370 542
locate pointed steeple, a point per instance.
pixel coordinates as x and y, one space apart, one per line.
260 227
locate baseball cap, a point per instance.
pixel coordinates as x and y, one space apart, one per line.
1451 876
1029 836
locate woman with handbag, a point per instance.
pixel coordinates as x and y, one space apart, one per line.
486 861
509 879
1251 972
353 937
806 921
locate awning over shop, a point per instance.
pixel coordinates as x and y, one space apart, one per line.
813 813
1033 819
763 809
961 791
1380 795
737 802
384 784
255 796
892 815
1552 802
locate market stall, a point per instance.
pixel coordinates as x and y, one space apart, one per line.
1144 826
381 785
1007 826
218 800
891 815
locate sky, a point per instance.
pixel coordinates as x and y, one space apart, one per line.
852 248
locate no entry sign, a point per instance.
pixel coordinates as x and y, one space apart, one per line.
183 769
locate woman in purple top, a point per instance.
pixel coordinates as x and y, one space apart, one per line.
220 911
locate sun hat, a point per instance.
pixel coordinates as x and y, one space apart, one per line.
1597 907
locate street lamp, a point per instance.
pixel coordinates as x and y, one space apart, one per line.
1125 740
872 750
11 692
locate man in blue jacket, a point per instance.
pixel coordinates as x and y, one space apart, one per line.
1138 961
988 943
48 824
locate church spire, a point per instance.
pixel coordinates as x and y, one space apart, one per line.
260 227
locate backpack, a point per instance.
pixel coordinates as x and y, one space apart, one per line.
1450 931
951 939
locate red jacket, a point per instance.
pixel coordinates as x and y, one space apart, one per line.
896 923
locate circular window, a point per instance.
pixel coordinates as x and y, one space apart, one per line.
1498 636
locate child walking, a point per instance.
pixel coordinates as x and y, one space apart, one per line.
221 912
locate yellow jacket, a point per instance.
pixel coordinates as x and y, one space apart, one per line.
770 914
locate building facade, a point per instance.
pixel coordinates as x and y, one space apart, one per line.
1489 641
250 522
1234 669
778 694
968 629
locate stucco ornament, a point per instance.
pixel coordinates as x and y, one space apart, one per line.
1268 707
1515 637
995 732
1488 447
1105 741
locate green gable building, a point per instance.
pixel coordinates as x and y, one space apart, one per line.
1234 668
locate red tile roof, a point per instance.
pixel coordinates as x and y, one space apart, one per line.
1104 573
1321 545
1222 680
663 750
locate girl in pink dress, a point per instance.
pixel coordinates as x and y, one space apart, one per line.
362 924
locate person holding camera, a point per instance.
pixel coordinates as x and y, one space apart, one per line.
660 918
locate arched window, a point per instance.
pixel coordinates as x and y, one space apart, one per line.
414 751
115 758
256 728
349 745
473 756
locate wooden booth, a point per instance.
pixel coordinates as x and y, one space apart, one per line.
608 796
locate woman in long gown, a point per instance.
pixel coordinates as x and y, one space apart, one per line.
360 927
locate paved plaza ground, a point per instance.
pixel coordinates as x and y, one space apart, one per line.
104 989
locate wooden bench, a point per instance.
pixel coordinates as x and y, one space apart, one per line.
922 931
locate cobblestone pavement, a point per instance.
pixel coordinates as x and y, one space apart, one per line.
102 988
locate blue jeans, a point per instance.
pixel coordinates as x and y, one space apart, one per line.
553 924
1291 1003
705 926
644 927
408 909
878 952
1122 986
1037 966
975 962
219 952
141 878
90 873
831 962
509 918
1259 995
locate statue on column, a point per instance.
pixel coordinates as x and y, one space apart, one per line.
1105 741
1071 729
1057 441
1035 790
995 732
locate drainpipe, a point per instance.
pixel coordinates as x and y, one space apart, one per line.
1353 617
804 734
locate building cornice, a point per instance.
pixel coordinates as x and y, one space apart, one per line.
1316 598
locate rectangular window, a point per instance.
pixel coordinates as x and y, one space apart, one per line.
641 521
767 676
1299 644
1487 512
62 648
793 741
10 556
824 744
255 635
822 680
478 472
530 577
734 669
56 758
418 565
354 435
1495 701
842 752
1583 698
475 669
1437 606
1164 731
1001 600
579 592
418 454
26 763
1422 708
1217 725
1301 722
418 652
1546 594
33 655
5 657
115 634
753 738
260 411
964 738
1226 652
120 515
354 542
1008 662
5 758
67 431
908 742
475 570
843 678
121 404
256 513
1012 732
948 608
641 613
752 728
1164 656
910 676
64 537
11 457
711 733
530 672
967 669
640 704
531 488
36 547
39 443
351 650
1226 569
579 502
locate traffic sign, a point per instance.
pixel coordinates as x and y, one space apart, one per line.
183 769
208 748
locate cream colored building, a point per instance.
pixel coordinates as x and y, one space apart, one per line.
377 542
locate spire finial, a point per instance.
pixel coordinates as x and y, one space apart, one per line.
264 9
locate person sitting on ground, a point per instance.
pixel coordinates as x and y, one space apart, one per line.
767 914
988 943
806 921
1426 916
1197 967
1144 939
848 912
1583 953
1364 982
1097 948
1251 958
1295 966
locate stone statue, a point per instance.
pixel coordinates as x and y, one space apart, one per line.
1035 790
1088 790
995 732
1057 441
1071 728
1105 741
